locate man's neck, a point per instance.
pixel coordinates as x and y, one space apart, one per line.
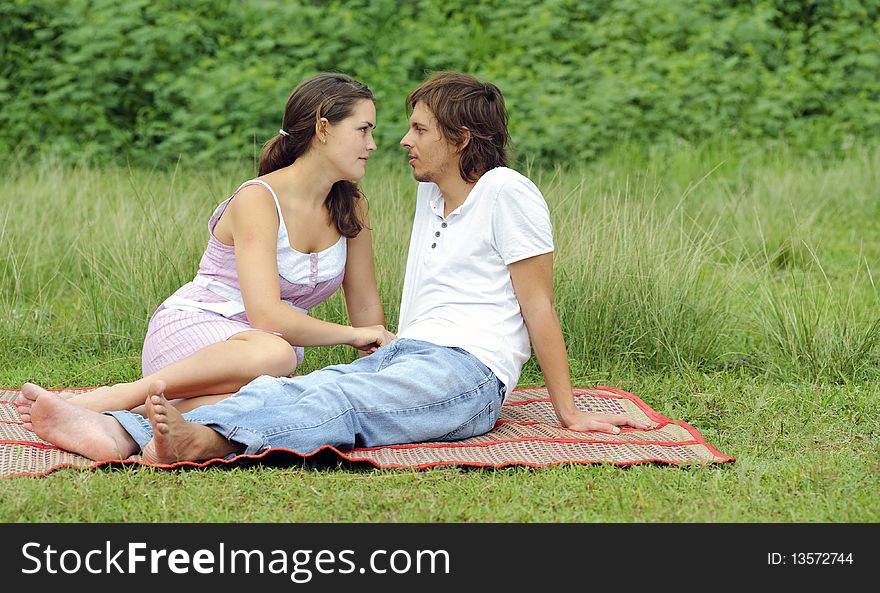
455 191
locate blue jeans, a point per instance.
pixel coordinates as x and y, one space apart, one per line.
407 391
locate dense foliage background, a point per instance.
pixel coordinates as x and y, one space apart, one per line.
151 81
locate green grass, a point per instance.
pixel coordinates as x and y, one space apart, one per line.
731 287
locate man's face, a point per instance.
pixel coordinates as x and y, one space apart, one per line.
430 155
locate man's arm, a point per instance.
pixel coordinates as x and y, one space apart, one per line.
533 283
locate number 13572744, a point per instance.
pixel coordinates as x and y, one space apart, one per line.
809 558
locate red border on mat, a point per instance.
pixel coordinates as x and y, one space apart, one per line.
645 408
343 455
33 444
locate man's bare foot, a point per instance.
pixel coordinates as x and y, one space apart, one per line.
175 439
74 428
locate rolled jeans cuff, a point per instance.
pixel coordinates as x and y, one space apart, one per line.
135 425
141 431
253 442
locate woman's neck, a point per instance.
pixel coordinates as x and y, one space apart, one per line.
305 180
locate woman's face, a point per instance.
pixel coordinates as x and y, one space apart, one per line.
349 142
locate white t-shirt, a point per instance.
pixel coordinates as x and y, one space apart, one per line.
457 289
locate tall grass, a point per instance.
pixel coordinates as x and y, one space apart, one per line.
678 259
820 333
631 285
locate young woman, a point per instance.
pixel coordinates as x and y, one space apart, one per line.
281 244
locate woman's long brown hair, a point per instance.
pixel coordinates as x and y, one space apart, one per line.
331 96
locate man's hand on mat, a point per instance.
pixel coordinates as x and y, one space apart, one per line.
371 338
586 421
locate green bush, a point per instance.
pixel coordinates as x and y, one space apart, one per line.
150 82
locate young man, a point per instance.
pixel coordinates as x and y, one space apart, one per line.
478 286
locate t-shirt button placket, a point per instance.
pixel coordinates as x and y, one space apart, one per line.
437 235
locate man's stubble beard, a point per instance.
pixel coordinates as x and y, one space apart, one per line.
428 177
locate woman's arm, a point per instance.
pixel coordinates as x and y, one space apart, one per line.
359 285
533 283
254 224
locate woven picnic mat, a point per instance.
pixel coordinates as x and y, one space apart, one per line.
527 433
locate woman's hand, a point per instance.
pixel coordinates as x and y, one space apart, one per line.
370 338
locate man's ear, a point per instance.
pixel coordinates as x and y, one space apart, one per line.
465 140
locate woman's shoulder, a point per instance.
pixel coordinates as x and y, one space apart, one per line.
250 206
255 187
253 196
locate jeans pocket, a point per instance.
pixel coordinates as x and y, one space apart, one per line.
473 362
480 423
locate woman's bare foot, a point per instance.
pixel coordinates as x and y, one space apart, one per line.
25 413
175 439
74 428
22 400
105 399
24 404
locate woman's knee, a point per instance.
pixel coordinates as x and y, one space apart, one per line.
280 358
271 355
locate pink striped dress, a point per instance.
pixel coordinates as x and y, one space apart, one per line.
209 309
